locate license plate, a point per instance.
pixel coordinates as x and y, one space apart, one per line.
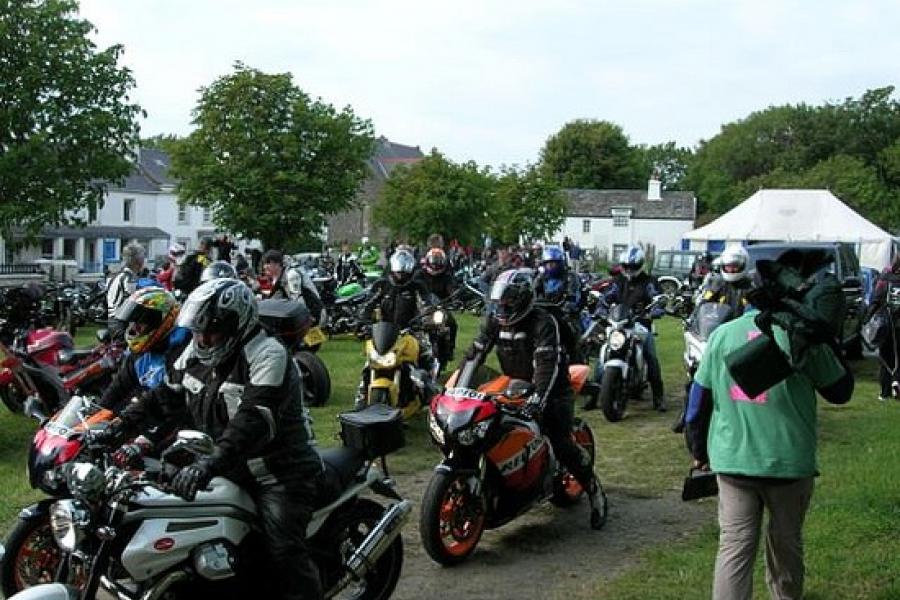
314 337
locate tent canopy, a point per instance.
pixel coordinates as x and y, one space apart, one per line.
798 216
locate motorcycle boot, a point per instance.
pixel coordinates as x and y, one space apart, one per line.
599 503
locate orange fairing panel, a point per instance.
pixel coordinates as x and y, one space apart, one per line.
520 457
495 386
578 375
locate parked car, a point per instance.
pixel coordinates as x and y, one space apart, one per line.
676 263
845 266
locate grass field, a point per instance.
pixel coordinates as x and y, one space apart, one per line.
852 530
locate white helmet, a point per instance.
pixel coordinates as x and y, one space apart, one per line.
733 264
631 261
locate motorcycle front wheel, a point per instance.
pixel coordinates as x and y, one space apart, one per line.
347 532
32 556
451 521
612 395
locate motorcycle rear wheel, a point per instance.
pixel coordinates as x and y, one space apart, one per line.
12 398
450 521
612 395
566 489
348 531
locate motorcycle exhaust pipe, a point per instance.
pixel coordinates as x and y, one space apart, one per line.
379 539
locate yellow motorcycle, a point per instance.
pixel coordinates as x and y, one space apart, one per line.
393 358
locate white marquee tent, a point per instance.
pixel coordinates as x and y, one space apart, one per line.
796 216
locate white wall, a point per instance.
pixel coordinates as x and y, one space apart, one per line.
663 234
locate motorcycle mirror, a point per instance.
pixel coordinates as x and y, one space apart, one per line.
103 336
34 408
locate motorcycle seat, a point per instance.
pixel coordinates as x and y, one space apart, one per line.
341 466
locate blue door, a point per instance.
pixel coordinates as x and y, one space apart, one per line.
109 251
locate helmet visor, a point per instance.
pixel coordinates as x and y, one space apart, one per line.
134 312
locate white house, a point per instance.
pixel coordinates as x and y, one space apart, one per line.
145 209
608 221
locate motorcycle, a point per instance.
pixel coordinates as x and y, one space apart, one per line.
621 366
497 463
290 322
126 533
32 556
392 360
682 295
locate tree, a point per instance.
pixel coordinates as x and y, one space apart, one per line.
67 125
525 205
435 195
162 141
269 162
592 154
668 161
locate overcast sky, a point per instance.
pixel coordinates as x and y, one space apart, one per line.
490 80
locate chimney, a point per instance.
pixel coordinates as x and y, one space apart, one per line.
654 187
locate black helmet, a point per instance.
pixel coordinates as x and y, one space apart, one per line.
218 270
224 306
513 295
402 265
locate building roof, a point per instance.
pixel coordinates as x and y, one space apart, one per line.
92 232
600 203
150 172
389 154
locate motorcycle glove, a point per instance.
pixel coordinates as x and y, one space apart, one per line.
190 480
132 454
533 406
112 435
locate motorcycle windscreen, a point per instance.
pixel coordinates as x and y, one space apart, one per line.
619 312
78 413
708 316
384 336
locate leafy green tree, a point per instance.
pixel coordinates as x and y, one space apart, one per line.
592 154
435 195
526 205
162 141
67 124
669 161
270 162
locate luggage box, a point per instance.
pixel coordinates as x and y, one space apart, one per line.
288 320
376 430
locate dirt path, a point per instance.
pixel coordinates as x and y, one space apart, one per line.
548 552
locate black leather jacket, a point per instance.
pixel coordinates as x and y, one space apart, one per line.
442 286
252 406
531 350
399 304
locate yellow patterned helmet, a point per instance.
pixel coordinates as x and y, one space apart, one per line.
149 314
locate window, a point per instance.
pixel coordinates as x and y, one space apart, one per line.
620 220
68 248
47 248
586 226
92 213
183 215
207 216
617 250
128 209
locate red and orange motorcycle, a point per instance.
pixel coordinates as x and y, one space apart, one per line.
497 464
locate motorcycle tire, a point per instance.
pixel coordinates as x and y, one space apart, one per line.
612 395
315 377
12 398
566 490
450 543
345 534
32 556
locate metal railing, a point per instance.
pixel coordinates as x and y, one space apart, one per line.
20 269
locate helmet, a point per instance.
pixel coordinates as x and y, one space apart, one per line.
150 314
553 260
218 270
733 264
435 261
364 240
224 306
632 261
402 265
513 296
176 253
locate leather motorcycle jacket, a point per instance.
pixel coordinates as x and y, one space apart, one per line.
252 406
399 304
442 285
531 349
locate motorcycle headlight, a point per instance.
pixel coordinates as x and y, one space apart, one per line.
438 317
68 519
470 435
616 340
385 361
435 428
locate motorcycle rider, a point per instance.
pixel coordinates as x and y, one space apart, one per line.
731 284
397 298
292 283
529 347
438 279
188 272
700 269
636 289
560 292
154 343
124 284
240 386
